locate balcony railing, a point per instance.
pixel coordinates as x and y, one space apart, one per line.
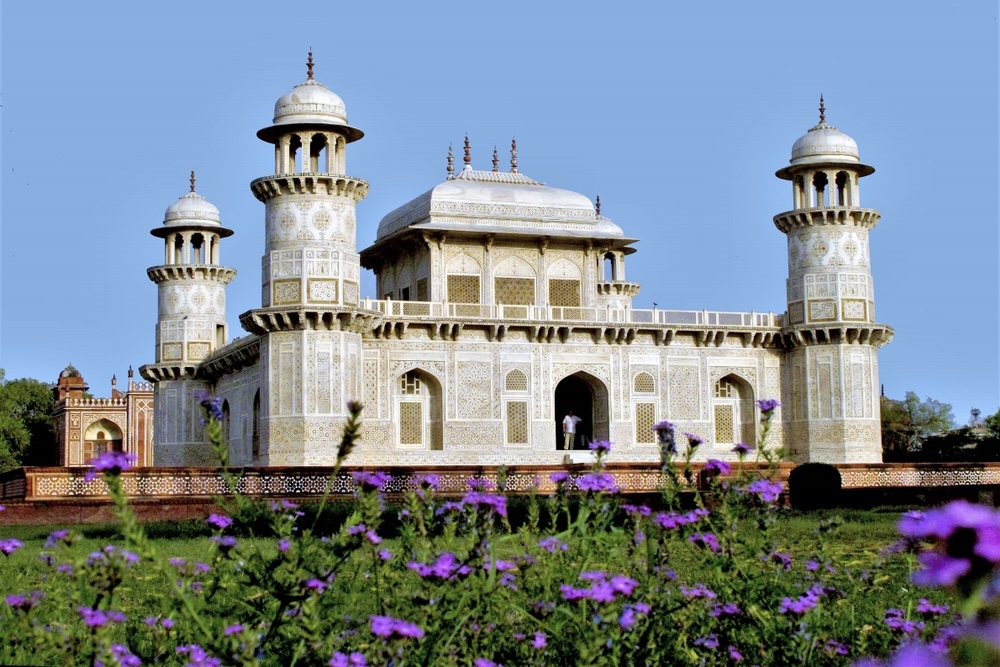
600 315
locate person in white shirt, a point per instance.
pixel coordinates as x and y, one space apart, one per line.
569 430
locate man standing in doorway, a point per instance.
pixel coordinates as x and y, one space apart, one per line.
569 430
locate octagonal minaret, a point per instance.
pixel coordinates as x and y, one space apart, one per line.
191 324
309 323
831 407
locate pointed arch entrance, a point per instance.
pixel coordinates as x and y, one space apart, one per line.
587 397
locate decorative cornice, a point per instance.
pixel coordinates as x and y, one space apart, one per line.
162 273
866 218
237 355
262 321
269 187
875 335
166 371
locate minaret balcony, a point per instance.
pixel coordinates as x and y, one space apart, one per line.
334 185
618 288
213 272
866 218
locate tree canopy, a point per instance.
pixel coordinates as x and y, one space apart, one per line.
26 427
907 423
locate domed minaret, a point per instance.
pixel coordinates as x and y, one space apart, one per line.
309 324
832 406
191 325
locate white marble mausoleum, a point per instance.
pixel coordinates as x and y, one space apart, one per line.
501 304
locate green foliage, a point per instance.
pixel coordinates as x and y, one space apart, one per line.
907 423
814 486
992 425
26 426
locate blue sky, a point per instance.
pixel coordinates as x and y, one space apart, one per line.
677 115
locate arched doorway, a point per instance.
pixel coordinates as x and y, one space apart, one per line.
733 411
100 437
587 397
417 405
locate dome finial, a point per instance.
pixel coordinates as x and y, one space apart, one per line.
597 205
309 66
468 153
513 155
822 109
496 160
451 162
192 180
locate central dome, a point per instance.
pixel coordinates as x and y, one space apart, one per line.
191 208
821 143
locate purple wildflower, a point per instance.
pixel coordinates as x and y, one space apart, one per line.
570 594
717 466
95 618
540 641
766 490
489 501
429 480
387 626
697 591
711 642
734 654
767 406
805 602
284 545
483 662
24 602
742 449
371 481
224 542
834 648
197 656
559 477
694 440
924 606
967 542
895 619
123 656
600 446
55 537
728 609
598 482
707 540
234 629
782 559
445 566
112 463
212 404
220 521
385 554
353 660
10 545
551 545
314 584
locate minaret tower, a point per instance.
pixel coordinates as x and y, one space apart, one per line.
310 325
191 325
831 406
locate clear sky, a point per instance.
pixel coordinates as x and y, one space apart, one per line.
676 114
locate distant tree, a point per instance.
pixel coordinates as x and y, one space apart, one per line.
907 423
26 426
992 425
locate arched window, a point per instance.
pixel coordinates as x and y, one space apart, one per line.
178 249
643 383
197 249
225 423
820 182
516 381
610 267
799 194
417 405
317 154
843 189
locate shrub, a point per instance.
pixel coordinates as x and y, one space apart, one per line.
814 486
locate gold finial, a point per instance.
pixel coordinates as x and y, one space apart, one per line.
513 156
598 204
822 109
496 160
192 180
468 152
309 66
451 161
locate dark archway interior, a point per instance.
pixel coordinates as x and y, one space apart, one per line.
575 394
